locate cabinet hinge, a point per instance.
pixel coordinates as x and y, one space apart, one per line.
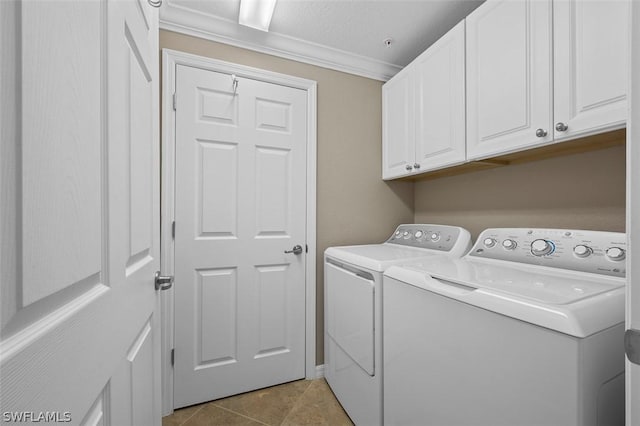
173 229
173 357
174 101
306 248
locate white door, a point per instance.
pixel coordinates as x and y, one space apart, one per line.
509 56
632 376
397 125
591 63
440 102
240 205
80 212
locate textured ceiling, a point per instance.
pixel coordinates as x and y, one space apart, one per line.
356 27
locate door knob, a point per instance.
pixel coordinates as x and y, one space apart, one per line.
163 282
409 167
541 133
561 127
297 249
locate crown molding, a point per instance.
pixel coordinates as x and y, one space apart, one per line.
190 22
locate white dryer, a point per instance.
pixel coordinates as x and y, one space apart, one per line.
526 329
353 306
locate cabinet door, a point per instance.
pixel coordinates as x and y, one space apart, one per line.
397 126
440 103
508 77
590 66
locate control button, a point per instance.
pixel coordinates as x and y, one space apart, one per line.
582 251
615 253
542 247
509 244
435 236
398 233
418 234
406 235
489 242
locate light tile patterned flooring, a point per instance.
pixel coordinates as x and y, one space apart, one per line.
304 402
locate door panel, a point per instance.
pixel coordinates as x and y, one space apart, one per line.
632 320
590 65
398 133
508 76
80 211
61 245
240 203
440 132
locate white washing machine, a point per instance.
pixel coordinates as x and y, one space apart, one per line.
526 329
353 305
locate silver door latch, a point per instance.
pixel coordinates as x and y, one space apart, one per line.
632 345
163 282
296 249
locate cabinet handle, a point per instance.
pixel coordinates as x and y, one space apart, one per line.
541 133
561 127
416 166
409 167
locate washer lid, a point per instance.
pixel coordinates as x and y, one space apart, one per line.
574 303
378 257
539 284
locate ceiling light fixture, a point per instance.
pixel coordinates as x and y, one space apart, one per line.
256 13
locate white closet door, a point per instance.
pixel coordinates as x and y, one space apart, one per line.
80 212
508 76
240 204
632 370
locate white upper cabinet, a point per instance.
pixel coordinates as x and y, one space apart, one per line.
440 103
536 72
590 66
509 87
397 125
423 110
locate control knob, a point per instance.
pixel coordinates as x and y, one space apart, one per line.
435 236
406 235
489 242
541 247
418 234
615 253
509 244
582 251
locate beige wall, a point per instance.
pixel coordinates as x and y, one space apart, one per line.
354 205
580 191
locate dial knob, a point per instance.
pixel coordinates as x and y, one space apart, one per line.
615 253
582 251
541 247
435 236
398 234
406 235
489 242
509 244
418 234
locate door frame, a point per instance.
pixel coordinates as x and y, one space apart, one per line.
170 60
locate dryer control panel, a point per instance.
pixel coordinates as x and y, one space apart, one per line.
587 251
435 237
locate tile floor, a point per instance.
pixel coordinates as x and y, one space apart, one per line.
304 402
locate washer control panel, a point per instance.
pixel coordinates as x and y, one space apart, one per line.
434 237
587 251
